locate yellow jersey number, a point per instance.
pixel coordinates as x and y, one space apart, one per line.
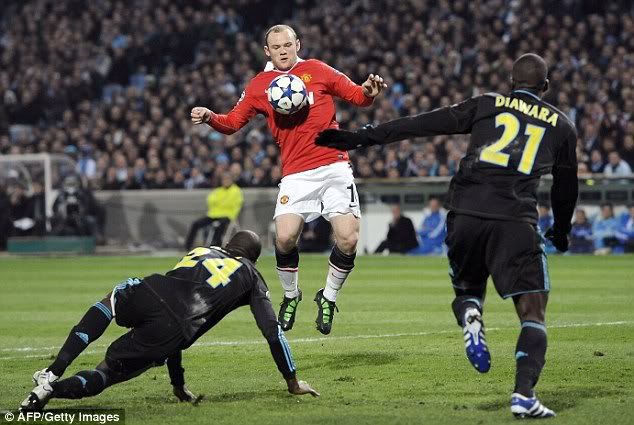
220 269
493 154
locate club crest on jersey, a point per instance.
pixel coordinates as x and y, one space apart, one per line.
284 200
306 78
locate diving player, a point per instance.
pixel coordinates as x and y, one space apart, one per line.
167 313
491 228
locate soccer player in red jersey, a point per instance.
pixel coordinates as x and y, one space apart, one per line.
316 180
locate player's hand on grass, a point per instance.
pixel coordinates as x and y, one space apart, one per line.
341 139
373 86
200 115
300 388
183 394
559 239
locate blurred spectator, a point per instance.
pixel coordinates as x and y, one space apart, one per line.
95 213
401 235
72 214
223 206
545 218
315 236
604 229
616 166
21 211
86 164
596 162
581 240
625 234
38 208
545 222
628 150
6 227
433 230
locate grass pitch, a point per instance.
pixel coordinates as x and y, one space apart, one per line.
395 355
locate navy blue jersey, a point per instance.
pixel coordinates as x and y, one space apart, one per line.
515 139
209 283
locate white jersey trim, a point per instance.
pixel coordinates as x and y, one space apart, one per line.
270 67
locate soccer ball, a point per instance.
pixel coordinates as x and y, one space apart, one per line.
287 94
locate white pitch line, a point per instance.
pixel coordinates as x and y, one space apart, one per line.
309 340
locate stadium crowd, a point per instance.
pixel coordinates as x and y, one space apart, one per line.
111 83
603 233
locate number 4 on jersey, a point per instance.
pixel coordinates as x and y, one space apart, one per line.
493 155
220 269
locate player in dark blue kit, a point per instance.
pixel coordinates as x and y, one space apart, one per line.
167 314
491 227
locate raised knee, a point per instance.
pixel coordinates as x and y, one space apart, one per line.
285 242
348 243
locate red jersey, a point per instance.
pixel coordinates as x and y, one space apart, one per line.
295 134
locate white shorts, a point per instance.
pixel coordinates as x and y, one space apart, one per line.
326 191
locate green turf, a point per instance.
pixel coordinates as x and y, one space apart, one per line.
395 354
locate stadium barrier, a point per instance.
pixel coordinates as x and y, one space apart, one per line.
51 245
161 218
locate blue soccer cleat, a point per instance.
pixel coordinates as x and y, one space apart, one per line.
529 408
475 344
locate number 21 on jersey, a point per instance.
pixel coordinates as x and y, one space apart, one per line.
493 154
220 269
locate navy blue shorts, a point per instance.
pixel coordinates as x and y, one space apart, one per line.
511 252
154 334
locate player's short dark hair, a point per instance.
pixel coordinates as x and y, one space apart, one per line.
278 28
530 71
245 244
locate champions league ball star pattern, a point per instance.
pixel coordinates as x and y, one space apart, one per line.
287 94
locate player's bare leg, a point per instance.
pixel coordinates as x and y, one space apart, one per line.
530 355
341 263
288 228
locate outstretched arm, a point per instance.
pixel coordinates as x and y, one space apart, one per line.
229 123
343 87
456 119
280 350
177 378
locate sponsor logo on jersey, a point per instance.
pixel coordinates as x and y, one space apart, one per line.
284 200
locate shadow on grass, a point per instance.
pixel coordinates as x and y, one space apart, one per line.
558 400
243 396
346 361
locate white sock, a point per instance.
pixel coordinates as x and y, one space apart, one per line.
334 281
469 312
289 279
